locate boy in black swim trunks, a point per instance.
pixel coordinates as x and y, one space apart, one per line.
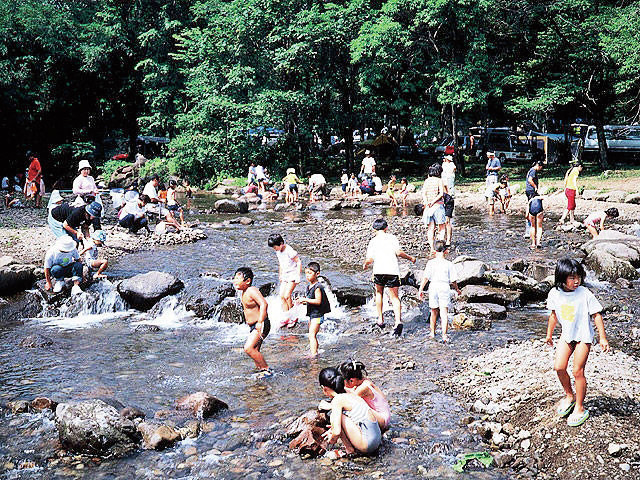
255 313
383 252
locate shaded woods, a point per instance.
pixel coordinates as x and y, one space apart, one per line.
75 76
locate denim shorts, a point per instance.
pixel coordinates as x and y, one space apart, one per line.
320 319
434 214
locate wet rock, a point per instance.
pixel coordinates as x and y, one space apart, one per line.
43 403
250 198
484 294
519 265
267 289
310 429
377 200
6 260
95 428
143 291
242 221
491 311
145 328
615 449
158 437
230 311
201 404
15 278
617 196
462 321
227 205
224 190
330 205
284 207
19 406
207 295
530 288
352 296
609 267
624 283
132 413
589 194
503 459
469 271
36 341
352 204
21 305
633 198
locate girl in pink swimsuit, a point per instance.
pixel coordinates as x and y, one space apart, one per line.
356 381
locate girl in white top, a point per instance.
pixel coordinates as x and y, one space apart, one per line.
573 305
289 268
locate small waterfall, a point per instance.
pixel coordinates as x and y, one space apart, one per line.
101 297
168 313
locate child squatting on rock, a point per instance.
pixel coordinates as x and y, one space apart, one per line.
573 305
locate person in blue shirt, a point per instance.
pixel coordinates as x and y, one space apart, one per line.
531 184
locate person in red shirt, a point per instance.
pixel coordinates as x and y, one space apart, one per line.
34 176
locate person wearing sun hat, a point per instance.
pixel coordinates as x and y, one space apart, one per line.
291 182
54 202
62 261
84 185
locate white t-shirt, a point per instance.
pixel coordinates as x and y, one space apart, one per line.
377 184
441 273
383 249
56 257
369 163
344 179
449 176
574 310
91 254
317 179
150 191
260 172
288 266
131 208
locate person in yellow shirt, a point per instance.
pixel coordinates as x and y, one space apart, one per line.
570 190
291 182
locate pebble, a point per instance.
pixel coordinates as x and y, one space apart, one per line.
275 463
615 449
525 444
189 451
625 467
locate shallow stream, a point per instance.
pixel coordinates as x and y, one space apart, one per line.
102 355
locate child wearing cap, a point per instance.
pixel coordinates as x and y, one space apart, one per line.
90 253
291 182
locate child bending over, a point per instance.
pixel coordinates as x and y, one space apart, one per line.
356 381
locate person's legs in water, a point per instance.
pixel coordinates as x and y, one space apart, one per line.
533 230
444 315
430 235
314 328
101 265
252 348
379 292
432 322
539 219
592 230
286 289
397 307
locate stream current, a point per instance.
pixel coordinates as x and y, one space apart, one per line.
97 352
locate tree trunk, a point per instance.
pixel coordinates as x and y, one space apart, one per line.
602 145
458 159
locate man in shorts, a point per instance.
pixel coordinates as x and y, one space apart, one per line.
383 252
254 306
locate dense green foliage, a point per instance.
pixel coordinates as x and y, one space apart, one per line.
82 76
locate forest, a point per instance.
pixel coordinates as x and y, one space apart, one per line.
83 78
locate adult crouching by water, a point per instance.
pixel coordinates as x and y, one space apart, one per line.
352 420
63 261
133 215
75 221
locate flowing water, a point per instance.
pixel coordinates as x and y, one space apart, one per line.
98 351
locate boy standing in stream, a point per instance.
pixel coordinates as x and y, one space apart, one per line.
254 306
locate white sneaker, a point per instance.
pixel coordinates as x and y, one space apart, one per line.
57 288
75 290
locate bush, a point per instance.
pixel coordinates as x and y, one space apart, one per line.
111 166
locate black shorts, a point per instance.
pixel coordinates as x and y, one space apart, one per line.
265 330
173 208
530 194
448 207
388 281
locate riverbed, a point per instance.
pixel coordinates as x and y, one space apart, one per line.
103 355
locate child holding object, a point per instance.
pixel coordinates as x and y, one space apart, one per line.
442 275
573 305
356 381
595 221
317 304
289 267
90 253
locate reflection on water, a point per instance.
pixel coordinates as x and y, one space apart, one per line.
105 354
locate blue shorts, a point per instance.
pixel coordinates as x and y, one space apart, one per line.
434 214
320 319
173 208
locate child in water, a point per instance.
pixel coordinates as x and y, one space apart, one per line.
317 304
573 305
595 221
289 266
442 275
404 191
353 190
356 381
254 306
391 187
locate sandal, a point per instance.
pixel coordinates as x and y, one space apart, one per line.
577 419
565 407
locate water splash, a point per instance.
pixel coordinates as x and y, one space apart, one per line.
168 314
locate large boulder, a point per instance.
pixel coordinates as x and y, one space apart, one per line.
95 428
15 278
328 205
204 298
484 294
617 196
531 289
633 198
469 270
227 205
143 291
224 190
353 204
21 305
608 267
336 192
229 311
201 404
589 194
484 310
463 321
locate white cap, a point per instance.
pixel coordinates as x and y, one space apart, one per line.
448 157
65 243
55 197
491 154
291 170
84 164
